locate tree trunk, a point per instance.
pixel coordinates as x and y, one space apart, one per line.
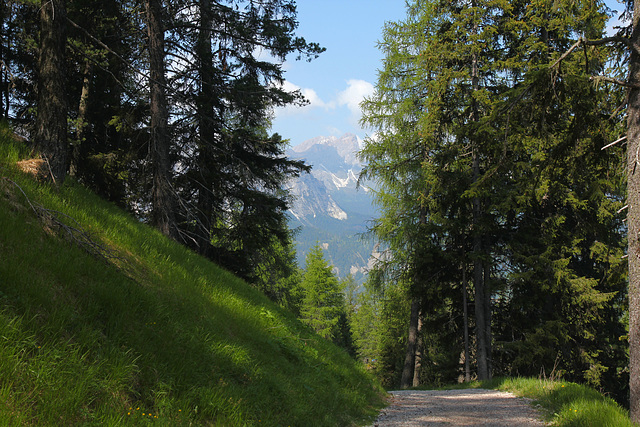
163 197
487 317
633 219
482 352
467 369
418 358
83 108
410 356
4 60
483 334
206 130
51 121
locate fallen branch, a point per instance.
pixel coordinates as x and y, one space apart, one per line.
72 230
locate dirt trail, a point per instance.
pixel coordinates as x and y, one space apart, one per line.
472 407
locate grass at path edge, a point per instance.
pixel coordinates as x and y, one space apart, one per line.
562 403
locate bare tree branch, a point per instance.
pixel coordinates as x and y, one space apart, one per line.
599 42
624 138
615 81
567 53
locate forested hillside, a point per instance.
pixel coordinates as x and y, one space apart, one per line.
164 108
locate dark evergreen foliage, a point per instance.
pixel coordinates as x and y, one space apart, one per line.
206 170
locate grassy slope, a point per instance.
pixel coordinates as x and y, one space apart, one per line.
158 336
563 404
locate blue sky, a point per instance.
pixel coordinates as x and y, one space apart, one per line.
336 82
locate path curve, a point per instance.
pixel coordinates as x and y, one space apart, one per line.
470 407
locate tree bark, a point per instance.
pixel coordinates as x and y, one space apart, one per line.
410 356
467 369
418 358
163 197
83 109
633 220
487 317
51 121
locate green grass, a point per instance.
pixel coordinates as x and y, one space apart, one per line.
154 335
563 404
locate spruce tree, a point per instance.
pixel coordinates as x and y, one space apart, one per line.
633 216
323 301
50 135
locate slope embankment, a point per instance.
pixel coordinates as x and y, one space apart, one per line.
103 321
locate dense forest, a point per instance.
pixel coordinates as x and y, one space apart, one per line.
501 146
498 153
164 108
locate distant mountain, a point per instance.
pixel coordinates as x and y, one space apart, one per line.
329 209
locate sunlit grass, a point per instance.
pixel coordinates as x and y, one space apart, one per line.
562 403
154 335
569 404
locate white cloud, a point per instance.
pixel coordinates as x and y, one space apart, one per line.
313 100
317 109
353 95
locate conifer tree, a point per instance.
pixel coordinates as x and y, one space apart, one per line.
633 217
51 124
323 301
447 141
163 194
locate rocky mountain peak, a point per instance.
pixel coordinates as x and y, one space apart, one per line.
346 146
328 207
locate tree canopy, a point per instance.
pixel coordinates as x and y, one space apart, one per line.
487 156
163 107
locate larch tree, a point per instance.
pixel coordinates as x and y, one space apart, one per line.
447 144
428 103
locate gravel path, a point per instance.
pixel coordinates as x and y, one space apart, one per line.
472 407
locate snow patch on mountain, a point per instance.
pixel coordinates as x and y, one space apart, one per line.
330 206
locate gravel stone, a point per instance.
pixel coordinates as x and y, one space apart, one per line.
471 407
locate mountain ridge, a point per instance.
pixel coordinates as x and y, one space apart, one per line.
329 206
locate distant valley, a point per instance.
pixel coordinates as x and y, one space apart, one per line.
329 209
